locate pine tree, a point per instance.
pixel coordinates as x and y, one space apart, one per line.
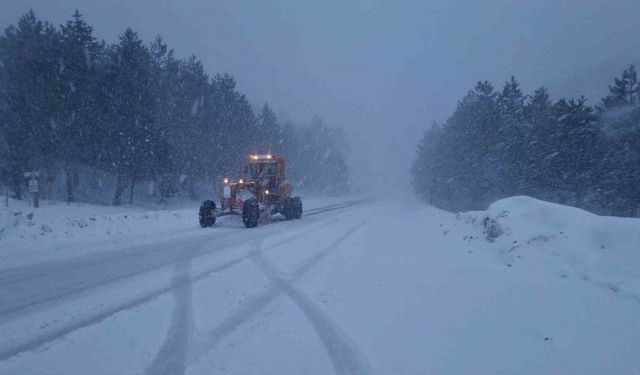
473 155
624 90
131 138
168 118
268 135
619 168
78 120
290 145
541 148
235 129
198 134
321 164
510 145
31 60
579 146
10 136
427 169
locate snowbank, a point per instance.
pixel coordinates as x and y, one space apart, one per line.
600 249
55 220
57 229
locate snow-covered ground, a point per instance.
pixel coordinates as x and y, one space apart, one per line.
382 287
57 230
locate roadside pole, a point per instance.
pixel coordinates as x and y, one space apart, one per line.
33 187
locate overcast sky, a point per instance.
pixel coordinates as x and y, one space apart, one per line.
382 70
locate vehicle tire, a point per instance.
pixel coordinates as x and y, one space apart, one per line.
250 213
207 214
289 209
297 207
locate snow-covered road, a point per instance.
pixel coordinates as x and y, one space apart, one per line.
367 288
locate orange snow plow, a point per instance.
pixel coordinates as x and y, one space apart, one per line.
261 191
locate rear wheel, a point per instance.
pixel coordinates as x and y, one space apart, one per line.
293 208
250 213
297 204
207 214
288 209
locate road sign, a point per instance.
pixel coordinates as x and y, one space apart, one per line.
33 186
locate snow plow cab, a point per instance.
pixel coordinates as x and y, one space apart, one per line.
261 190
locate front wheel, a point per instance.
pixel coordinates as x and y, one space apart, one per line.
250 213
207 214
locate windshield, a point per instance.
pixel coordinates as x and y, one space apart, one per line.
266 169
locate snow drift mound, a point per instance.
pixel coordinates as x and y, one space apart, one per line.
57 230
601 249
59 221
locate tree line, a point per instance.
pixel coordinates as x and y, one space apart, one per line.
74 107
501 143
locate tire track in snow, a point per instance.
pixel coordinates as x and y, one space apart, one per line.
344 354
333 207
171 359
132 263
22 273
54 291
36 341
259 302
